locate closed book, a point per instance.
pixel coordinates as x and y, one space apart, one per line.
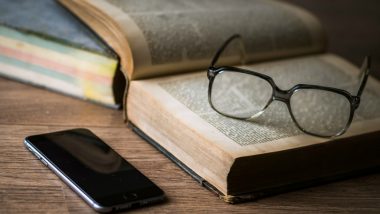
43 44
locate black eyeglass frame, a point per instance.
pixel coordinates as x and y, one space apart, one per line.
285 95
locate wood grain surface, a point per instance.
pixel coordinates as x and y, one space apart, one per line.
27 186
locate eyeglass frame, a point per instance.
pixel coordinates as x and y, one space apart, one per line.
285 95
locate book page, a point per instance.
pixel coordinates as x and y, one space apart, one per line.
275 123
174 111
175 36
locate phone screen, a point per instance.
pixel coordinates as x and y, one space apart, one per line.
94 167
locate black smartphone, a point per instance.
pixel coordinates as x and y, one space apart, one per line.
104 179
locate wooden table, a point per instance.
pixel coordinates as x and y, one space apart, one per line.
27 186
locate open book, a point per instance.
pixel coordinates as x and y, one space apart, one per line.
165 49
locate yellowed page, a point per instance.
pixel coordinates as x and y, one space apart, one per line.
275 124
168 37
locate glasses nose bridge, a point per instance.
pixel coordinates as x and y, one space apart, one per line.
281 95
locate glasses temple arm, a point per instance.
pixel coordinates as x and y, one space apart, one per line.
365 69
223 47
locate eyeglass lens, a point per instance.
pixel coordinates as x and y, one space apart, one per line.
320 112
240 95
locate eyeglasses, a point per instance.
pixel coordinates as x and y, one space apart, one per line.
316 110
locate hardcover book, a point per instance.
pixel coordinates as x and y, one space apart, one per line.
165 48
43 44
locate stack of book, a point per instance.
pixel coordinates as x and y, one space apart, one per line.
43 44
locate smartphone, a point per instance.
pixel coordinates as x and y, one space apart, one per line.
104 179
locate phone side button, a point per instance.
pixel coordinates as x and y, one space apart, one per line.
37 155
44 162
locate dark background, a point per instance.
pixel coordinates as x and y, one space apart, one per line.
352 28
